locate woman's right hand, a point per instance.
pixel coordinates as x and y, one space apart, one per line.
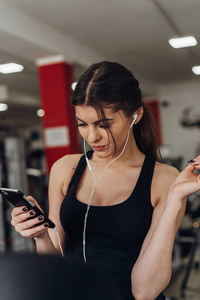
27 227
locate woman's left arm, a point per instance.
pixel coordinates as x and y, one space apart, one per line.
152 271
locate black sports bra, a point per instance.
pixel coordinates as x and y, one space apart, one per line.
114 233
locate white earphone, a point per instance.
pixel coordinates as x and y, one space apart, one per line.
87 160
96 181
134 119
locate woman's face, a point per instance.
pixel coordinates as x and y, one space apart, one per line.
96 131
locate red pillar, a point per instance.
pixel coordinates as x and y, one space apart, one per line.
59 125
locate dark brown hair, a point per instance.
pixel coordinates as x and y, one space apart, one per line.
109 84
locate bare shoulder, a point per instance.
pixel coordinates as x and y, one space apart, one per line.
164 176
165 171
66 164
63 170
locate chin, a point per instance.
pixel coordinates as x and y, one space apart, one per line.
104 154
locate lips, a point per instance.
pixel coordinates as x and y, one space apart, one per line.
98 148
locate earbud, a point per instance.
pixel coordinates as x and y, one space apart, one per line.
134 119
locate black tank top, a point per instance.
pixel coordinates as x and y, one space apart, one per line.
115 233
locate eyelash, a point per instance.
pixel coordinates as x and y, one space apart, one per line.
81 125
104 126
100 125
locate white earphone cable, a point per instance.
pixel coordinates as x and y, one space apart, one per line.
95 183
59 242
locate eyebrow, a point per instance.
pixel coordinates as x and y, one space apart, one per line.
96 122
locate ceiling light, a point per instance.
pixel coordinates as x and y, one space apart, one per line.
187 41
10 68
3 106
196 70
41 112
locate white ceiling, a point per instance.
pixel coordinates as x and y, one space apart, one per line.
132 32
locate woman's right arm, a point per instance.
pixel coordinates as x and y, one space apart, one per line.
47 240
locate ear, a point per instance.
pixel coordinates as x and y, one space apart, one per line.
139 112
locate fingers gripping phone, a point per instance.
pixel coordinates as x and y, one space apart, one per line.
17 198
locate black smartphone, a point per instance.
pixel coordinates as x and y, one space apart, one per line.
17 198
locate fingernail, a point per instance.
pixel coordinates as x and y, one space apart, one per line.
32 213
24 208
191 161
46 225
40 218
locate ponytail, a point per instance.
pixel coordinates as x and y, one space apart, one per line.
146 137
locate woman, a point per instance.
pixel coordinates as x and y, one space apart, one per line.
136 203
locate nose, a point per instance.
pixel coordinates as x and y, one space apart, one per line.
93 135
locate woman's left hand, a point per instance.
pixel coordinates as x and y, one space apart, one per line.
187 182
